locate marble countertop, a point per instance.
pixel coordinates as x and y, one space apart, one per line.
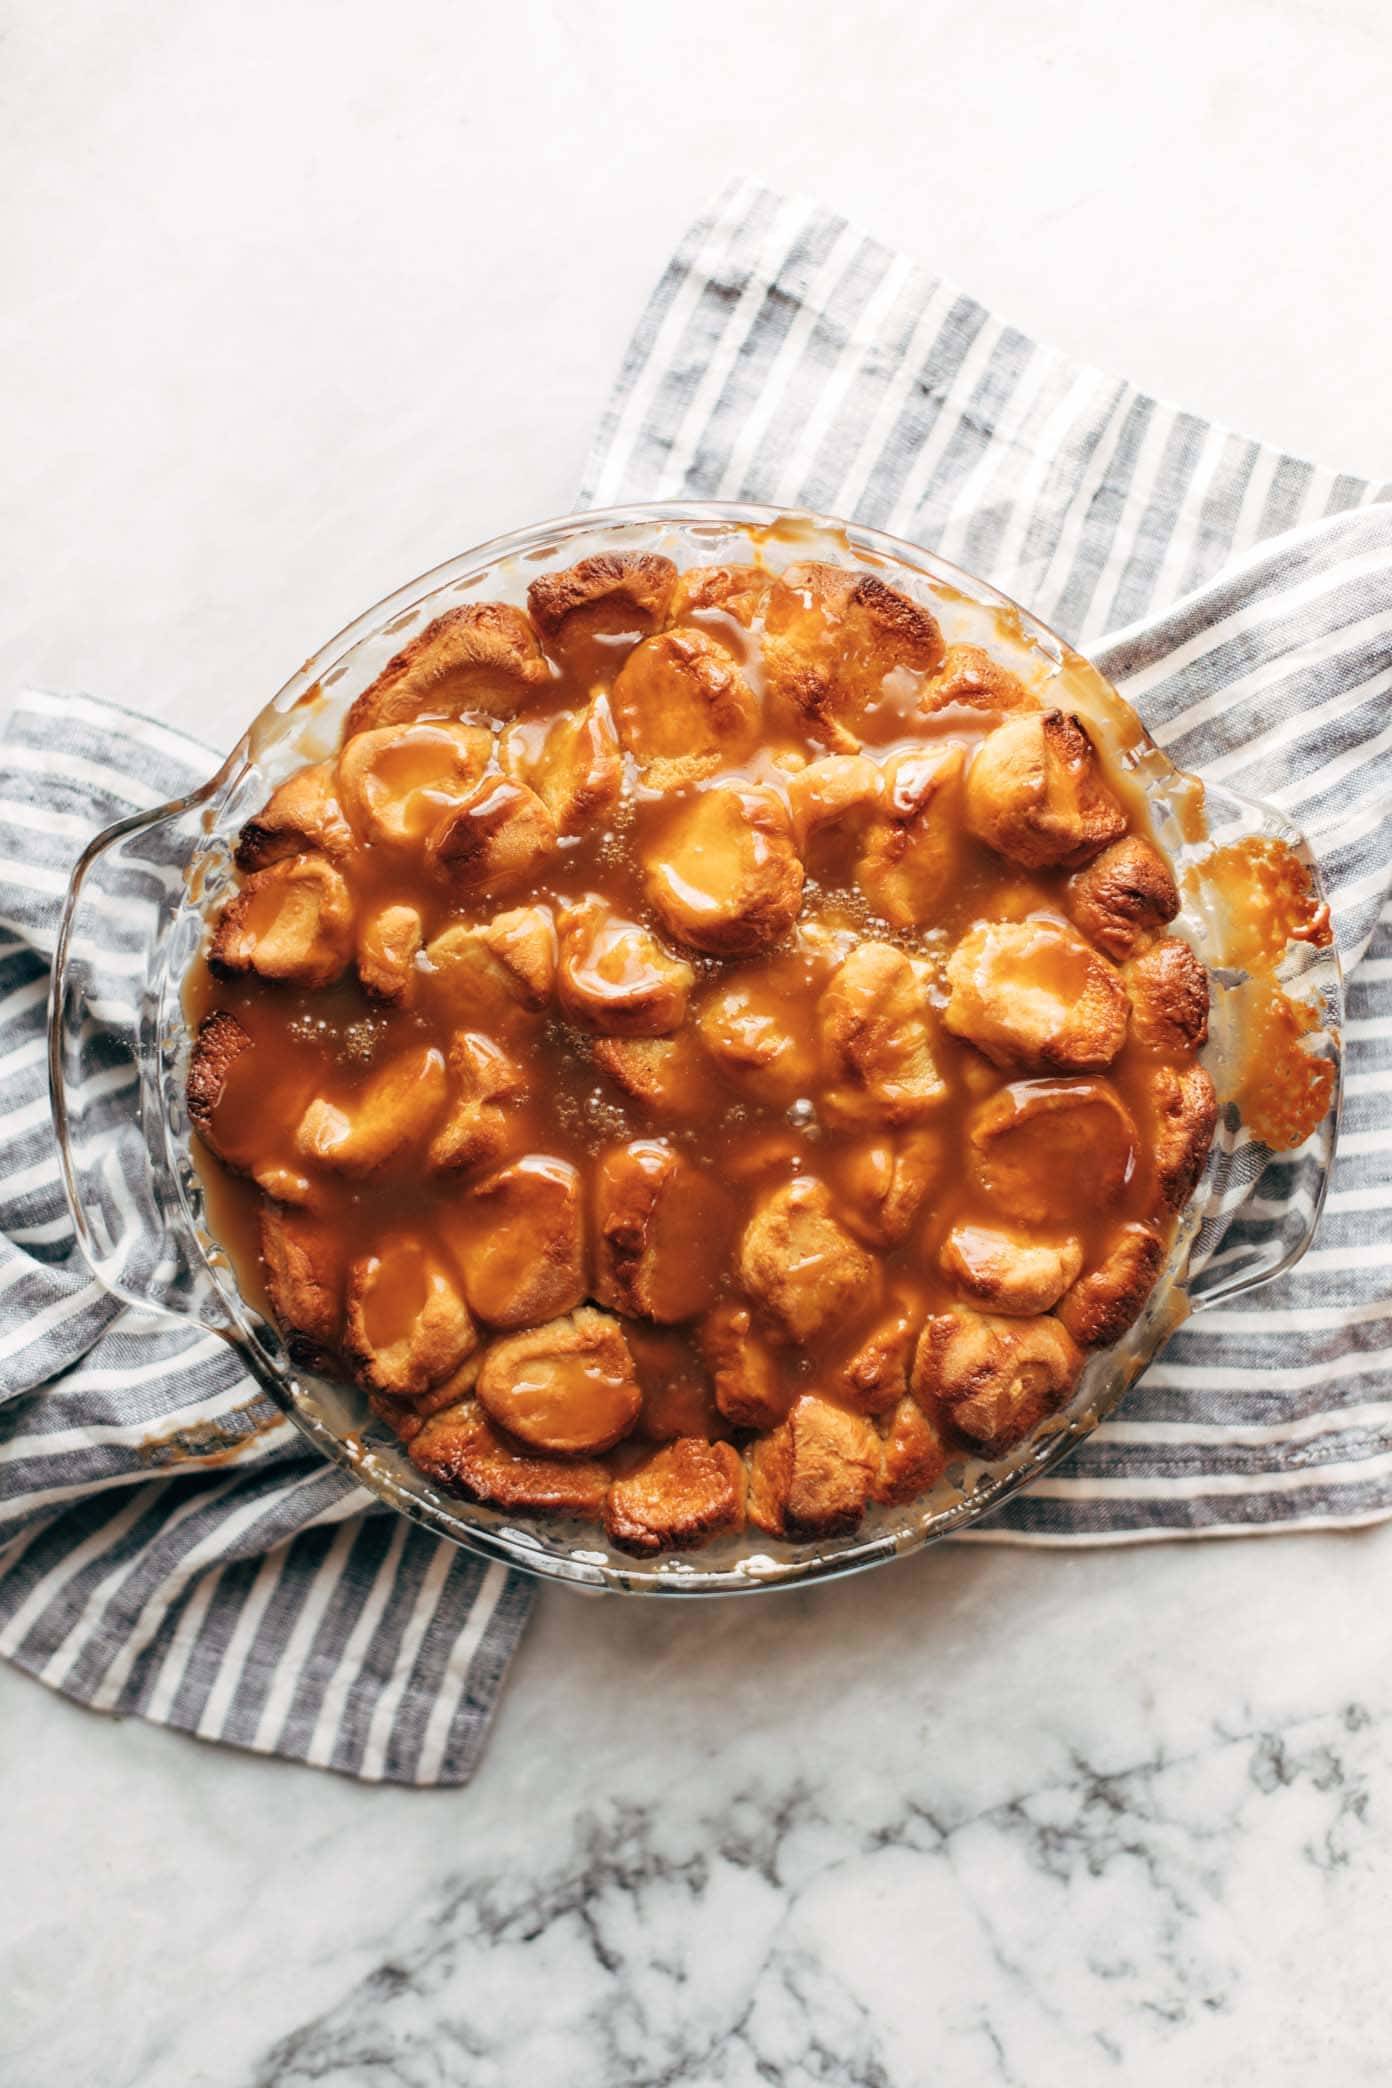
298 308
989 1819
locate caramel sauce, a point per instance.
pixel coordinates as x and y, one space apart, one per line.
1283 1089
395 1295
1268 901
760 1123
553 1397
414 773
1271 903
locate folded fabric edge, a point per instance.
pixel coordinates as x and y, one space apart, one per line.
472 1714
1158 624
751 188
168 740
1112 1540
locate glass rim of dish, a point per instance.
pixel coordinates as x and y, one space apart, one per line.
763 1562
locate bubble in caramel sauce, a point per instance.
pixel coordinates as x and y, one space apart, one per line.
360 1041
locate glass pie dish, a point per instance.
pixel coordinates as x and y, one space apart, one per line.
1252 909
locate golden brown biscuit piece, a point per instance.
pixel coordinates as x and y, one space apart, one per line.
221 1042
302 817
287 1184
395 1109
970 679
683 709
482 656
749 1389
797 1260
460 1447
398 782
389 941
1035 793
495 974
496 837
831 791
407 1326
451 1390
292 922
997 1419
1027 1139
613 591
1033 994
913 851
302 1261
1108 1299
1125 896
726 878
523 942
1184 1114
998 1376
483 1123
1168 990
669 1076
614 975
884 1180
812 1475
1008 1271
754 1028
877 1375
567 1388
684 1494
832 637
739 591
573 763
407 1417
876 1039
914 1454
521 1242
662 1232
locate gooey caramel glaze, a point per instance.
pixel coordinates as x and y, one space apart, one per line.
823 1170
1282 1090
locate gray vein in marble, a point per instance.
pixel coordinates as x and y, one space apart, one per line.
753 1944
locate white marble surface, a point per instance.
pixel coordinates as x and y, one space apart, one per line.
982 1821
299 301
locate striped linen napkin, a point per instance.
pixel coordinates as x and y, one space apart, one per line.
169 1543
1239 597
169 1547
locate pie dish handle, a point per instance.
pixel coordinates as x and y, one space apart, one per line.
1264 1262
116 1049
1273 1236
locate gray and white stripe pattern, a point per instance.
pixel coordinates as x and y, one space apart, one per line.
167 1545
785 357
